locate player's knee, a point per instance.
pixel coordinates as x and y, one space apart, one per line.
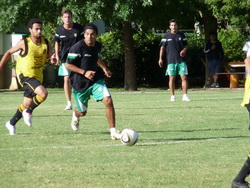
44 94
83 113
108 102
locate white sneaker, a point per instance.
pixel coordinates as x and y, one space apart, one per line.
213 85
172 98
27 117
11 128
115 135
68 107
75 122
185 98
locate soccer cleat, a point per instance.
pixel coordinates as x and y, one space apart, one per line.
240 184
185 98
172 98
75 122
217 85
11 128
68 107
116 135
27 117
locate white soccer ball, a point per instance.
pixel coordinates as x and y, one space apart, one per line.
129 137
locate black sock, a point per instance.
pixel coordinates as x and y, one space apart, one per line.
244 172
18 115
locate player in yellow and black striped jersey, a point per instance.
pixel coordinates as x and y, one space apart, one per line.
34 51
246 98
239 181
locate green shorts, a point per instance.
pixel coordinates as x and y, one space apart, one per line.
175 69
98 91
62 71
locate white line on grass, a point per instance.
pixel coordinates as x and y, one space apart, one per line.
110 145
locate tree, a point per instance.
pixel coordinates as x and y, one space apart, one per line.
128 16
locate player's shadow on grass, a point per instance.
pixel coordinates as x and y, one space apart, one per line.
193 130
150 142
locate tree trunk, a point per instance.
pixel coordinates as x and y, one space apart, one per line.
129 52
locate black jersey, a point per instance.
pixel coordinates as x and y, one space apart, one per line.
174 44
68 38
85 57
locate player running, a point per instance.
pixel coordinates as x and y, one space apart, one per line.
87 78
34 52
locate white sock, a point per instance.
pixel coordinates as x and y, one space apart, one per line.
69 103
184 95
74 116
113 130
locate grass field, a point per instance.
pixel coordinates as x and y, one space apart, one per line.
202 143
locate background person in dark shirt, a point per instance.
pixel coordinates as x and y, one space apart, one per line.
214 54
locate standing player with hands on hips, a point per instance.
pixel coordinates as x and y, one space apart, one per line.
174 44
34 52
87 78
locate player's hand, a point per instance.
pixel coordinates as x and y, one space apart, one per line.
89 74
53 59
108 73
160 62
183 53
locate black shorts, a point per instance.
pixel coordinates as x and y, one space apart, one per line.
29 85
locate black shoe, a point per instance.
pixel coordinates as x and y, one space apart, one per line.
240 184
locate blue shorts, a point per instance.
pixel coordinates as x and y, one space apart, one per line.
214 66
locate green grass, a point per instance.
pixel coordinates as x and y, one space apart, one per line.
202 143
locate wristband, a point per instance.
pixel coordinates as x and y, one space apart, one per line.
84 72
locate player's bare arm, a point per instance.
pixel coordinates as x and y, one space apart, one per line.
57 47
19 46
104 68
160 62
183 52
247 64
51 56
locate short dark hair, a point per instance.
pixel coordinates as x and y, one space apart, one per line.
172 20
66 11
33 21
91 26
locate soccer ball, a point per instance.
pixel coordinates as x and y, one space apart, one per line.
129 137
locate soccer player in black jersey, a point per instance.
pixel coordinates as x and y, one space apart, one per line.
66 36
174 45
87 78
